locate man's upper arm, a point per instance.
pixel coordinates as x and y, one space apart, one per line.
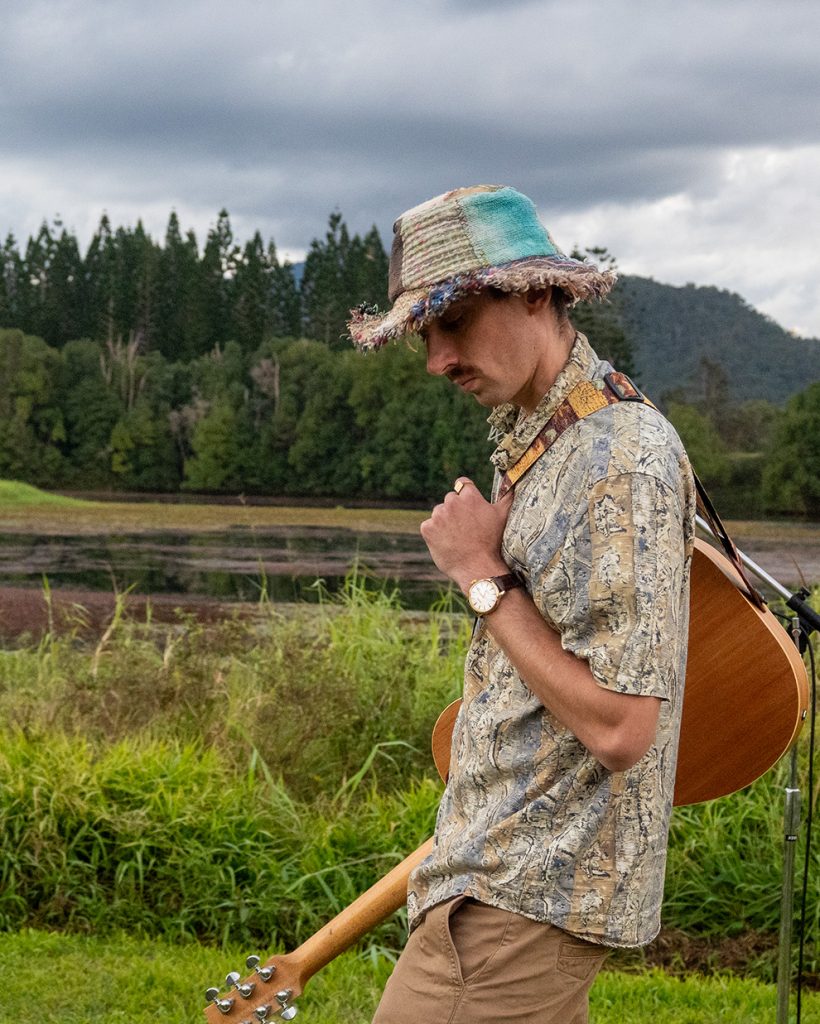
623 603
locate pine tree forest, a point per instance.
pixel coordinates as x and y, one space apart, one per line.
159 367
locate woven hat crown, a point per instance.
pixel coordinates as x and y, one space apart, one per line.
462 231
460 243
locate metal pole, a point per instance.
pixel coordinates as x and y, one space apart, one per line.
791 826
784 592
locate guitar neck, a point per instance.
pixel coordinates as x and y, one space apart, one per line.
270 989
371 908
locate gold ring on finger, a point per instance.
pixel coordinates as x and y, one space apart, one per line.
458 486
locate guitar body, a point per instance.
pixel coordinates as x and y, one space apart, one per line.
746 689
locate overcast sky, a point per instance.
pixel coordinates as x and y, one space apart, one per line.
684 136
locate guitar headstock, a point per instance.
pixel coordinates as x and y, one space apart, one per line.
266 994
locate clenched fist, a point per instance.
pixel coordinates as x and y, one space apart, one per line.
464 534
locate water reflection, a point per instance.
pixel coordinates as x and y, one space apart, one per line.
233 565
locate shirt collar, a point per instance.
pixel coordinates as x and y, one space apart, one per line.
514 431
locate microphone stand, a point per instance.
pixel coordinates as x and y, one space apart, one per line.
809 620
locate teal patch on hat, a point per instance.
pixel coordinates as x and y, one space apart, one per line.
504 226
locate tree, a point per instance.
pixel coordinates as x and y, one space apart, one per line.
322 458
286 311
703 444
284 377
339 273
323 293
749 426
63 311
143 454
253 295
12 273
35 281
31 424
100 277
179 328
220 444
90 408
602 322
215 293
791 475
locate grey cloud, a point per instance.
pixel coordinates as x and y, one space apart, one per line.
283 111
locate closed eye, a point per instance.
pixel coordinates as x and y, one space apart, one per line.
452 324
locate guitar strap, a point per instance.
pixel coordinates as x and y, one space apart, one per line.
588 397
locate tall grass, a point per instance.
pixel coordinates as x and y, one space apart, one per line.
243 781
158 838
310 692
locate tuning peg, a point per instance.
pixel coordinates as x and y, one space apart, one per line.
265 973
262 1013
223 1005
288 1012
233 981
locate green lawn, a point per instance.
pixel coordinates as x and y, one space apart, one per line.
73 980
13 495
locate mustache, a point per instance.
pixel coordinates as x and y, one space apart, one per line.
457 374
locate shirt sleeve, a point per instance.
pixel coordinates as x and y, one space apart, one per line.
617 590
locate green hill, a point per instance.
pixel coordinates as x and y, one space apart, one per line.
672 329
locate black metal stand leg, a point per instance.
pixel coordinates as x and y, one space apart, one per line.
791 828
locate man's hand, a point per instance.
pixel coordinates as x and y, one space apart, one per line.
464 534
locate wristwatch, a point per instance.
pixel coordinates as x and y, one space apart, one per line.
484 595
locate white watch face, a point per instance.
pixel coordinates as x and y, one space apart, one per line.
483 596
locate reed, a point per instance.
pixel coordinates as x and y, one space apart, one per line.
310 691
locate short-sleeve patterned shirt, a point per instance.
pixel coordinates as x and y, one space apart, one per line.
601 530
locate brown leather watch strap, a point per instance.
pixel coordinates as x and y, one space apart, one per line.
507 582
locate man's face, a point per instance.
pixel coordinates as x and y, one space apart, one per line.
489 347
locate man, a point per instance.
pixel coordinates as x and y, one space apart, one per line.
550 840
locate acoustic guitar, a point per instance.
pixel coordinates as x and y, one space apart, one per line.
745 700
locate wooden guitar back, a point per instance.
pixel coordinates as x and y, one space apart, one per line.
746 687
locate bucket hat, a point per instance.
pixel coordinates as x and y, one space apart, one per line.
461 242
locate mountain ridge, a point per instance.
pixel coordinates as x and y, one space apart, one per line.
673 329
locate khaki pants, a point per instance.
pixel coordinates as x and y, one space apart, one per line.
467 963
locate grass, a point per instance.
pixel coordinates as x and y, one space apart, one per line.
159 839
88 980
25 509
310 692
244 780
17 496
162 839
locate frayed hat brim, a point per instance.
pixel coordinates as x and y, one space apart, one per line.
413 309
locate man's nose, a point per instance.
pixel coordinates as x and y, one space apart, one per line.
441 353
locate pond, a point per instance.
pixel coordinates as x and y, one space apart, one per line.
231 565
236 563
